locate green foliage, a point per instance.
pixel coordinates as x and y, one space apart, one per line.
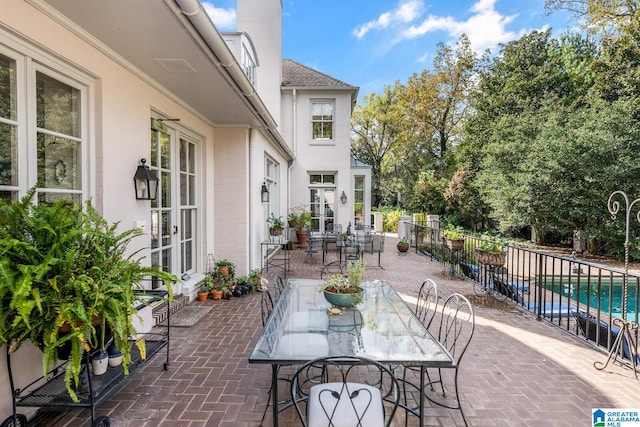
453 232
226 263
299 218
61 265
275 221
492 243
355 272
390 220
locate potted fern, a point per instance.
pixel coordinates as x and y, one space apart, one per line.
66 280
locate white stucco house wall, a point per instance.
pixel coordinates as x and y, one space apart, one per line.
215 115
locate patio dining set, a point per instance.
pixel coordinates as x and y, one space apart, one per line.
371 364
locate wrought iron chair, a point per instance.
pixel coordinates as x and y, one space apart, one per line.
313 245
266 306
427 303
456 330
278 287
344 391
307 337
426 307
457 324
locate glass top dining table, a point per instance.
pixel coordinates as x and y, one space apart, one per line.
382 327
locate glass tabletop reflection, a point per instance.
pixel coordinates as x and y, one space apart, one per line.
382 327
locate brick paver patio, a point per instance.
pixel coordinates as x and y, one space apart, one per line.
518 371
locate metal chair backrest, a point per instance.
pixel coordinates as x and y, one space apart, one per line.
278 287
345 391
266 306
427 303
456 325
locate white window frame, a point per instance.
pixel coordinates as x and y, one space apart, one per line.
271 175
29 60
332 121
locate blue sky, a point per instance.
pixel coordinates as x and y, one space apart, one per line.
373 43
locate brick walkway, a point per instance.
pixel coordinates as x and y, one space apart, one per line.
517 371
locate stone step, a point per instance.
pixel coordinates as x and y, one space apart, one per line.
160 312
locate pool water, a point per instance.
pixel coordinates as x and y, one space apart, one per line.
580 291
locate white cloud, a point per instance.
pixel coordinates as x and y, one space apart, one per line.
223 19
485 26
405 13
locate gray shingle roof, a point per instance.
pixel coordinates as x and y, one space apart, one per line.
298 75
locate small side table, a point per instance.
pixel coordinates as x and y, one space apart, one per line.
275 253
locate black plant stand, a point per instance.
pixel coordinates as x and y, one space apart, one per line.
50 391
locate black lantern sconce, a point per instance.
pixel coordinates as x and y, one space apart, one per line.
343 198
264 193
145 182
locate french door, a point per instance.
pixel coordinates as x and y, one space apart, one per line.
322 208
174 213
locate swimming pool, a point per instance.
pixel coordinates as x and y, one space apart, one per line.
584 289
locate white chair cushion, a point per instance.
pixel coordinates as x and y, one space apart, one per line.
302 346
321 403
307 321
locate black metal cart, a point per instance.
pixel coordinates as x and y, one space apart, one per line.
50 390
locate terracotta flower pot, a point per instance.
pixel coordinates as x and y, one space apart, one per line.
202 296
216 294
224 269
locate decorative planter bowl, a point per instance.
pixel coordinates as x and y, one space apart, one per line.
402 247
454 244
275 231
343 300
495 259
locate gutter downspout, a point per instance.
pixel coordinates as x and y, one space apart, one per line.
294 142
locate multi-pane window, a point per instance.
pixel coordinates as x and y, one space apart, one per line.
358 200
42 121
322 120
248 65
8 129
271 171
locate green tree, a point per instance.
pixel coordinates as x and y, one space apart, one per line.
598 15
532 81
376 125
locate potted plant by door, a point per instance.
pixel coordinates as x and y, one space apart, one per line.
300 220
276 225
64 266
220 282
227 268
453 237
403 245
205 288
492 251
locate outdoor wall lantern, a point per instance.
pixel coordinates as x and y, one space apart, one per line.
343 198
145 182
264 193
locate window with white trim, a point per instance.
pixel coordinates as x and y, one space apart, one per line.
271 173
322 117
43 122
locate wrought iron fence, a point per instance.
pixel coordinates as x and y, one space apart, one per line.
576 295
